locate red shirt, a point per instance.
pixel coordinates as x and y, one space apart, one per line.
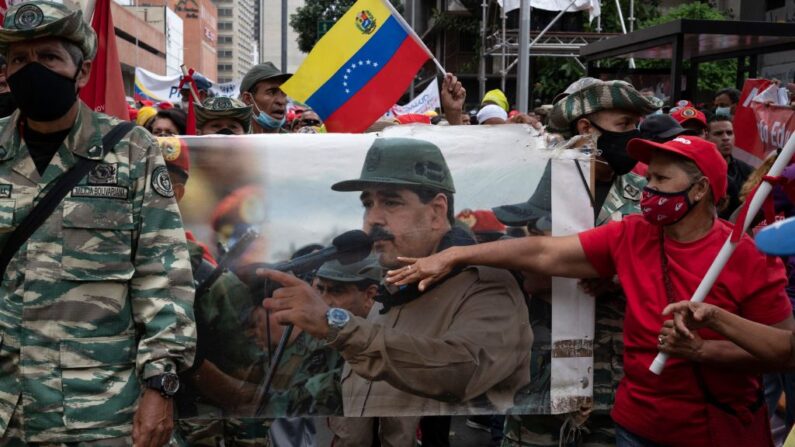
670 408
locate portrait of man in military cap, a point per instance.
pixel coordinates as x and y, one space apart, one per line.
419 352
96 311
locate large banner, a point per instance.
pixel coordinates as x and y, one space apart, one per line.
159 88
462 348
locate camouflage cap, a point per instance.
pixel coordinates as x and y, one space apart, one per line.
402 162
37 19
596 96
261 72
223 107
367 268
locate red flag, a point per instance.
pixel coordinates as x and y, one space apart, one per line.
190 125
3 9
105 89
746 132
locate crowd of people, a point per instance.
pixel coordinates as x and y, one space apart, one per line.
118 327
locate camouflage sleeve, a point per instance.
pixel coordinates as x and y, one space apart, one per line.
162 286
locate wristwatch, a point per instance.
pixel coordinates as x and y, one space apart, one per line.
337 319
167 384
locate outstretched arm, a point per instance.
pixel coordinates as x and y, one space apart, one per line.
551 256
771 345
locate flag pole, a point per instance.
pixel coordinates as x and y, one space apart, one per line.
88 12
728 247
413 34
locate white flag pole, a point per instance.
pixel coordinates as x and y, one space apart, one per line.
413 34
728 247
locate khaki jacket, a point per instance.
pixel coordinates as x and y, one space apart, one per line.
463 347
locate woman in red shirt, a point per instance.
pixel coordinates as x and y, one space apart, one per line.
661 258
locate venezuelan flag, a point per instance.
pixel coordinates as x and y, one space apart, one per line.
359 68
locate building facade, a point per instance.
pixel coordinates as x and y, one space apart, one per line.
236 38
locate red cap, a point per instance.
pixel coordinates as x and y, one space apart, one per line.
133 112
165 105
689 113
410 118
703 153
175 152
481 221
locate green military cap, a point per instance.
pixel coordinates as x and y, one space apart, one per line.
402 162
261 72
223 107
594 96
36 19
367 268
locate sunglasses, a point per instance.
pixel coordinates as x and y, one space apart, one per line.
309 123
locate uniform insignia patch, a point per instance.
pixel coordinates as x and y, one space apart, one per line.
5 191
103 174
28 17
161 182
108 192
631 191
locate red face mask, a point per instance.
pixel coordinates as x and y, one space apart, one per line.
665 208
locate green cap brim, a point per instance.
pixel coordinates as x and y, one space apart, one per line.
361 185
71 28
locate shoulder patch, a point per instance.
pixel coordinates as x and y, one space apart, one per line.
5 191
161 182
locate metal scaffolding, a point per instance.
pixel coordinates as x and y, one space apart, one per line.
506 44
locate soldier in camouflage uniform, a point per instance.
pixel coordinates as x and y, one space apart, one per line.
308 379
98 301
223 116
603 115
228 362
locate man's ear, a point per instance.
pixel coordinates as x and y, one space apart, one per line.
584 126
439 205
247 98
85 73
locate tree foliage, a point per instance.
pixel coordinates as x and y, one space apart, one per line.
306 18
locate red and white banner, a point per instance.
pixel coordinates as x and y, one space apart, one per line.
748 146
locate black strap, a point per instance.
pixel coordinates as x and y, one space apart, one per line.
50 202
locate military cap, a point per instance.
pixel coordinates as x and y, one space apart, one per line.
37 19
223 107
402 162
537 210
598 95
261 72
367 268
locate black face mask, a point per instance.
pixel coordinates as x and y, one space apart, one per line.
614 149
42 94
225 131
7 104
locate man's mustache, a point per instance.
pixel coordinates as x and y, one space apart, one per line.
381 234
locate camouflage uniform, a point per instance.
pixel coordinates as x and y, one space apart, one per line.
100 295
308 380
622 199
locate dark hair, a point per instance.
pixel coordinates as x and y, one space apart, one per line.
363 284
718 119
427 194
732 93
177 116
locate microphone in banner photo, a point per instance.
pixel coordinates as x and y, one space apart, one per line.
347 248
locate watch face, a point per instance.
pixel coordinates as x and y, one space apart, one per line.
170 383
337 316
